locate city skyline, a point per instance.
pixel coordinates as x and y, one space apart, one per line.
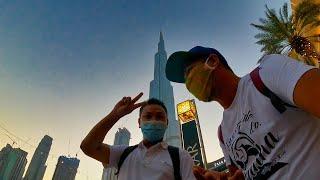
13 161
64 65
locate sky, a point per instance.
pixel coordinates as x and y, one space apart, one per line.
65 64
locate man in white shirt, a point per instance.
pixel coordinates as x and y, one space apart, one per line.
152 158
271 126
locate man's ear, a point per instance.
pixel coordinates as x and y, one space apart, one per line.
213 61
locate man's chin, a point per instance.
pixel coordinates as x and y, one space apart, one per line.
207 100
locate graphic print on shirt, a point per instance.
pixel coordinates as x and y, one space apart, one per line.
251 156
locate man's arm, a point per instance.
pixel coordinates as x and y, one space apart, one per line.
232 169
294 82
306 93
92 145
233 174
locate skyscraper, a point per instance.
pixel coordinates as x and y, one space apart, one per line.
66 168
37 165
12 163
160 88
122 137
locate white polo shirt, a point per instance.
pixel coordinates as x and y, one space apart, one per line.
150 164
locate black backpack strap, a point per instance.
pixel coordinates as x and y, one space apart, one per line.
175 158
124 155
275 100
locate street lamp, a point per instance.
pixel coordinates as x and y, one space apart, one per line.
187 111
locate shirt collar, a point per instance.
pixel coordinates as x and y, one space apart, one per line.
162 145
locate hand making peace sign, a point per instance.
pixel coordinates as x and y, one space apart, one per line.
126 105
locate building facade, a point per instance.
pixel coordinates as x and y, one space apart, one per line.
12 163
66 168
160 88
37 166
122 137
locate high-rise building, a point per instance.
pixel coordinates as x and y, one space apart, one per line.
160 88
66 168
122 137
37 166
12 163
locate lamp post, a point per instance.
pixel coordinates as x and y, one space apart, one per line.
187 111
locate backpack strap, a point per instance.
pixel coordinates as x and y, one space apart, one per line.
275 100
175 158
124 155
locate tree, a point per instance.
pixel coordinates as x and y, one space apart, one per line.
285 34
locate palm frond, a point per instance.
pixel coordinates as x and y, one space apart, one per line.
275 20
261 27
283 33
285 12
275 31
263 21
307 13
314 38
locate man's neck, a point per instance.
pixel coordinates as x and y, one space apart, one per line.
149 144
227 90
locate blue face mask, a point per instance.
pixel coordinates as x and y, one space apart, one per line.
153 131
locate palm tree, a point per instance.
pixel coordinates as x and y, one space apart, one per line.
285 34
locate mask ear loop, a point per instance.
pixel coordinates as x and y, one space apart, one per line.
211 68
208 66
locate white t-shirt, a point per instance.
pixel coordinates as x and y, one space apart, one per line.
150 164
264 143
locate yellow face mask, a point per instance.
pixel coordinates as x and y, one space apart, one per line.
199 82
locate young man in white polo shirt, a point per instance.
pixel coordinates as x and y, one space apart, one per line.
152 158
